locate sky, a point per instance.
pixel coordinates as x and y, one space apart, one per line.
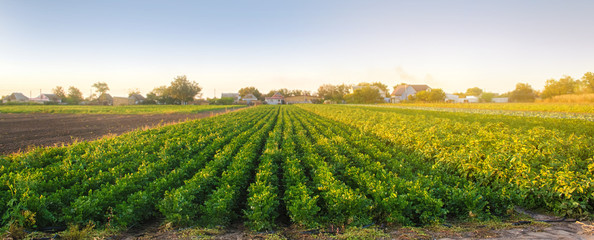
227 45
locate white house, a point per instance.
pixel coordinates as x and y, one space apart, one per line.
249 98
46 97
276 99
451 98
402 92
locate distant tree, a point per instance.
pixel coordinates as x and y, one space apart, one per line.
283 91
522 93
379 85
588 82
160 95
475 91
182 90
366 94
75 96
297 92
251 90
225 101
435 95
133 92
400 84
565 85
288 93
334 93
100 87
59 92
487 96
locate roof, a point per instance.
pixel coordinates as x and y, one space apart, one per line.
229 95
137 97
18 96
249 97
399 90
51 96
276 96
421 87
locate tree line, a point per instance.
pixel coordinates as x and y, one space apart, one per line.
182 91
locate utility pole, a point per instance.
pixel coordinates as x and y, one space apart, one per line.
215 93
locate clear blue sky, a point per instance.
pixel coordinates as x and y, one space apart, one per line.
226 45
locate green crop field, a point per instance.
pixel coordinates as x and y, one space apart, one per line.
536 107
309 166
129 109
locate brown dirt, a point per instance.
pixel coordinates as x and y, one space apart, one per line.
19 132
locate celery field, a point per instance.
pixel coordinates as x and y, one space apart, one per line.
309 165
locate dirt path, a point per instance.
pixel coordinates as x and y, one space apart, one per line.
18 132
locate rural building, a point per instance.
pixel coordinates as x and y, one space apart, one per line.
15 97
302 99
120 101
105 99
276 99
249 99
451 98
46 98
135 99
235 96
401 92
468 99
500 100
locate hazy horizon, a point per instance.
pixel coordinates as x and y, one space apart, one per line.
228 45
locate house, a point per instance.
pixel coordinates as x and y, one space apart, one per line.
500 100
452 98
135 99
276 99
120 101
467 99
235 96
250 99
105 99
46 98
302 99
15 97
401 92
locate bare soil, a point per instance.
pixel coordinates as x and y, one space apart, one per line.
20 132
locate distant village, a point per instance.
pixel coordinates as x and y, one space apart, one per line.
182 91
400 93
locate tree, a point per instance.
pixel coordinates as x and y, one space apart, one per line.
435 95
588 82
334 93
250 90
366 94
522 93
487 96
160 95
132 92
225 101
100 87
74 95
379 85
475 91
565 85
183 90
59 92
